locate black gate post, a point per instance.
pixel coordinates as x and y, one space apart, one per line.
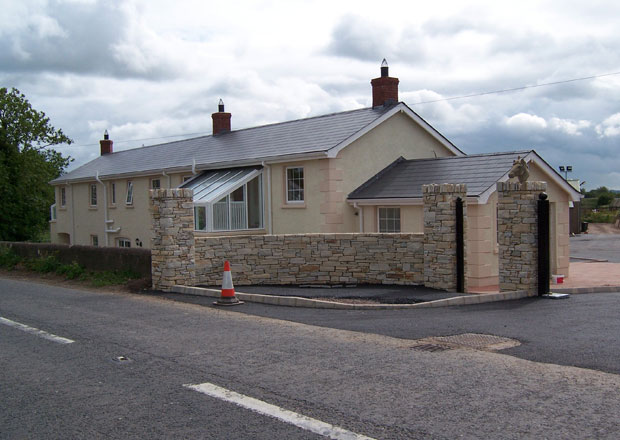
543 245
460 248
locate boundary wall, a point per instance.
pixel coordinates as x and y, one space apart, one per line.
312 259
180 258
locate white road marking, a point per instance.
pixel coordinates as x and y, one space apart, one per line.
299 420
35 331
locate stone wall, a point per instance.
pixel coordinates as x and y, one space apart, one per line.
312 259
440 234
172 253
517 226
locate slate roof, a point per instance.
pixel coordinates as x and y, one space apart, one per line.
404 178
249 146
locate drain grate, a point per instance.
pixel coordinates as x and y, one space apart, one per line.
430 347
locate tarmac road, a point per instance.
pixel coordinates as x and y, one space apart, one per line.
369 384
581 331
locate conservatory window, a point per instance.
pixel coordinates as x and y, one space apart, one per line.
228 200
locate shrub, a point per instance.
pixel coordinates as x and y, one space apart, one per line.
8 258
43 265
71 271
600 217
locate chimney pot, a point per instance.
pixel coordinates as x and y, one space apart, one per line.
106 144
384 68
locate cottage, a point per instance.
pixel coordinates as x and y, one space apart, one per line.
353 171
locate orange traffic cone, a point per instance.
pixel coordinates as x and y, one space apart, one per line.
228 297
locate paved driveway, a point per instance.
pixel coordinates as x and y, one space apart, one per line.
599 247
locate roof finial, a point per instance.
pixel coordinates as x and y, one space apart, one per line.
106 136
220 106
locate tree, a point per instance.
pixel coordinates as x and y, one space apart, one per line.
27 164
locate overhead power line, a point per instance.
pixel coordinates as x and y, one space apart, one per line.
514 89
452 98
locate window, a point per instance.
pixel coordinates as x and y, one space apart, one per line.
389 219
294 185
241 209
63 196
93 194
200 218
113 193
94 240
129 199
155 184
53 212
123 242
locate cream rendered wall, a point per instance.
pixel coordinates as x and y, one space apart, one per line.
412 219
88 219
397 136
560 231
370 219
134 220
482 247
289 218
63 223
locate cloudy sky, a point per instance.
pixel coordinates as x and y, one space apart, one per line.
149 71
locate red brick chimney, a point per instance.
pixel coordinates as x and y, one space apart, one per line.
106 144
221 120
384 88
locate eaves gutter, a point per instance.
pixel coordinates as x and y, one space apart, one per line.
402 201
198 167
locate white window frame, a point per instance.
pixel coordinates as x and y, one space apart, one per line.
94 240
112 193
92 194
153 183
303 189
63 196
389 218
123 242
53 216
129 194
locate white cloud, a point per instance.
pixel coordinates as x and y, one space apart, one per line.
570 127
148 68
609 127
525 121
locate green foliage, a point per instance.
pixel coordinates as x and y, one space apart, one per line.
27 164
600 217
604 199
43 265
588 203
71 271
594 193
110 278
8 258
50 264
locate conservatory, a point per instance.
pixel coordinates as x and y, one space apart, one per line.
228 200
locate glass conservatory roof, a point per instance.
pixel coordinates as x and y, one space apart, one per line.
211 186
